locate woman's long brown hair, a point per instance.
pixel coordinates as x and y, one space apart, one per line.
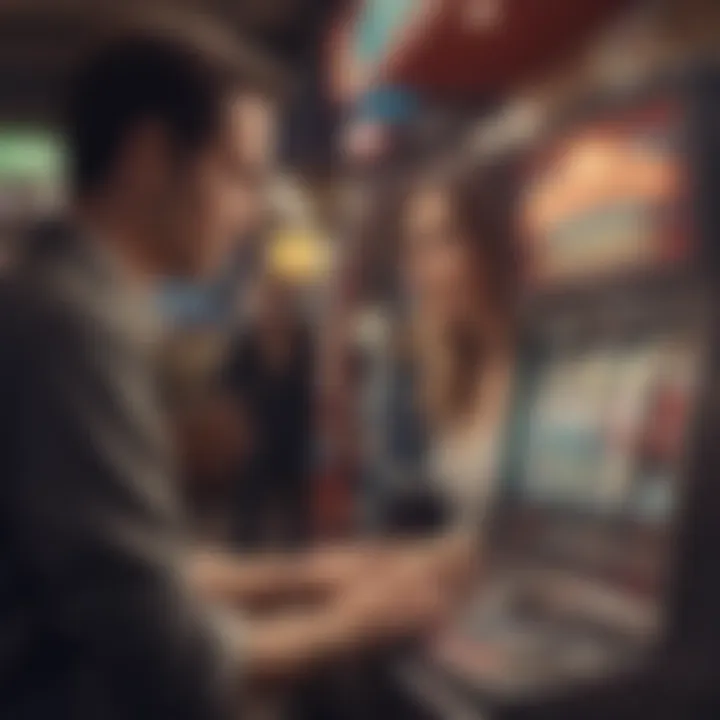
451 366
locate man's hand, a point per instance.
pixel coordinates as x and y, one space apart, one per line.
373 613
252 583
341 565
381 595
404 602
452 561
456 558
326 574
256 582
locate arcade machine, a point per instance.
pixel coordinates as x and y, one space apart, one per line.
601 593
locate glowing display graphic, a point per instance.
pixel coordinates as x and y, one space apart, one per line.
606 200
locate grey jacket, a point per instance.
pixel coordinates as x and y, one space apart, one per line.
95 619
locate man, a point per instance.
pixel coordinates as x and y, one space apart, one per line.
104 612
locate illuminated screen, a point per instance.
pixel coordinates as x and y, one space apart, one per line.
605 408
606 199
607 428
599 460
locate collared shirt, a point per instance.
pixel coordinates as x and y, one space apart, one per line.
96 619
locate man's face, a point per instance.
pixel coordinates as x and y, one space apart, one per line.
220 197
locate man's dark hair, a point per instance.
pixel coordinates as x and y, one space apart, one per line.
180 80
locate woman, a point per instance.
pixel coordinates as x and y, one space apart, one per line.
460 272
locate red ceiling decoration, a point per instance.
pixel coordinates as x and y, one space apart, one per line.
476 47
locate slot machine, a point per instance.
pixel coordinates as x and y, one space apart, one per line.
601 594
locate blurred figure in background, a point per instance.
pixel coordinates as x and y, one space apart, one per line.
460 272
210 429
270 377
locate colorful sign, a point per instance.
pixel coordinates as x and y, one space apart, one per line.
606 199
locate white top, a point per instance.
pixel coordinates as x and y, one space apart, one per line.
463 466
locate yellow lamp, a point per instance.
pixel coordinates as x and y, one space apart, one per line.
299 255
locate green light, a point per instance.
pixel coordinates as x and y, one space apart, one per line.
30 155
